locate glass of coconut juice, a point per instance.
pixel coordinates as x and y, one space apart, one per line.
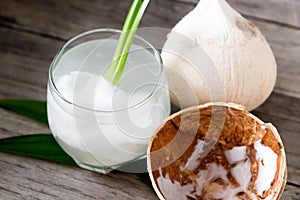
100 125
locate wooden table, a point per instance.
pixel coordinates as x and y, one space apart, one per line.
31 32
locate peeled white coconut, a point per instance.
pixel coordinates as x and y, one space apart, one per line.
245 158
241 58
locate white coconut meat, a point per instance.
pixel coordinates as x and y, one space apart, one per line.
267 159
227 191
246 162
240 55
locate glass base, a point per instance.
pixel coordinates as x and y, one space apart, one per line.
101 170
138 165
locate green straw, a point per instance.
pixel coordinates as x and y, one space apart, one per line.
130 26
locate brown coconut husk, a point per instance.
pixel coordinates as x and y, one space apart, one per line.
225 125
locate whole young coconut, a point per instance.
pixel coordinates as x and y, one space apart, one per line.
217 151
243 59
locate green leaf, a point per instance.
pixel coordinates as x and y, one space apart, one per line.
44 146
36 110
41 146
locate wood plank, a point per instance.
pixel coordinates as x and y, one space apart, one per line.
283 39
291 193
31 178
27 178
12 125
284 12
26 57
282 107
293 176
15 89
31 33
290 81
285 44
65 18
36 179
25 60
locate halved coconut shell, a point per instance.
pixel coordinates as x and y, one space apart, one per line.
216 151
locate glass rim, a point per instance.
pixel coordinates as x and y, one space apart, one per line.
61 52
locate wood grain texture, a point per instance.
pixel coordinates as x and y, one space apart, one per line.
12 124
31 32
27 178
277 19
282 12
30 178
285 12
24 53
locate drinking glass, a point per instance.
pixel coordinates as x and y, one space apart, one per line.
100 125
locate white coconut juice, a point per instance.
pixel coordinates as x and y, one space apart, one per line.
101 125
